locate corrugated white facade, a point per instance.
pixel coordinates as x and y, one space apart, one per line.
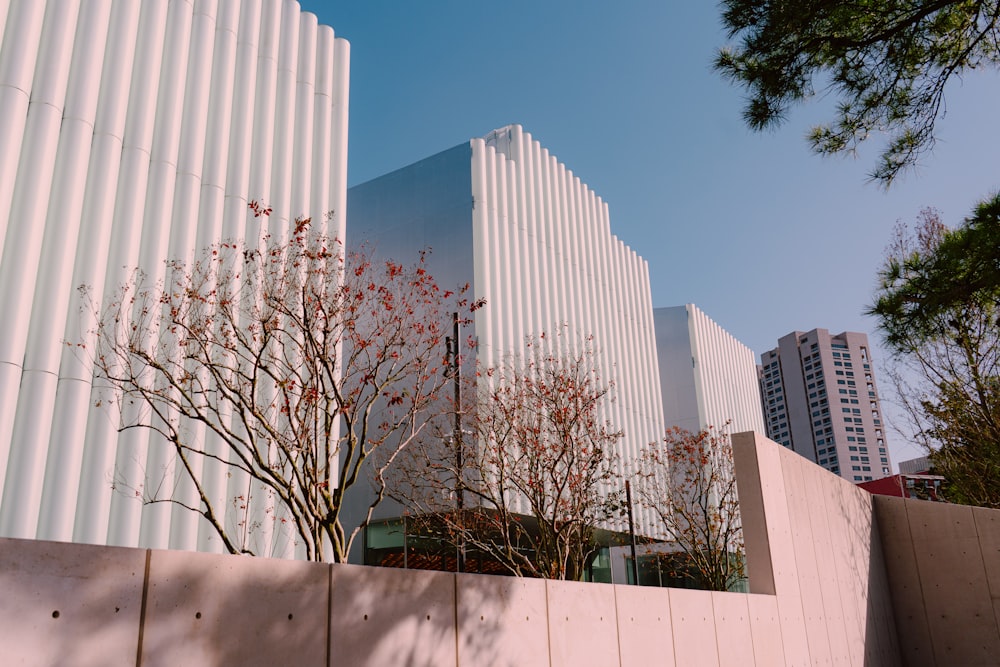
707 376
545 258
504 214
130 133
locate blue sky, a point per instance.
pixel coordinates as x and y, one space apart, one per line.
762 235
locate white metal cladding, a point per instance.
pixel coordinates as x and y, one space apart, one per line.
545 258
131 133
725 374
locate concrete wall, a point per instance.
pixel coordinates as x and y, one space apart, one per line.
944 572
812 544
820 595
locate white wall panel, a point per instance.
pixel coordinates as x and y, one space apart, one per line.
722 384
18 55
134 133
545 258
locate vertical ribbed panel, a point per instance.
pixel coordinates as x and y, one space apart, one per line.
18 54
67 207
134 133
545 257
725 375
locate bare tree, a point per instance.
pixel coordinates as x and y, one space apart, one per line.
536 476
688 482
294 368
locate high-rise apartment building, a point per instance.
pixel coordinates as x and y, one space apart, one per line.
707 377
132 133
821 400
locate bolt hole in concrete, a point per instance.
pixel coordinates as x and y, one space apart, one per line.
289 617
366 617
55 614
197 614
428 617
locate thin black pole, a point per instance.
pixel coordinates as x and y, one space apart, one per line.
457 438
631 533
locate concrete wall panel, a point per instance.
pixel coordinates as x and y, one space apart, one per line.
60 600
848 517
810 591
765 628
502 611
774 489
382 616
692 617
582 624
988 529
938 594
830 523
644 626
751 486
204 609
864 581
955 587
732 628
917 647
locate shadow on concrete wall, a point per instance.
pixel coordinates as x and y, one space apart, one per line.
69 604
84 605
881 640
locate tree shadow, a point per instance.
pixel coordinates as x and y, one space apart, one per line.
72 604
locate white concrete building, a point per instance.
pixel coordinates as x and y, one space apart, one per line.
132 132
707 377
504 214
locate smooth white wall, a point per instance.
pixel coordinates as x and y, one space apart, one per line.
132 133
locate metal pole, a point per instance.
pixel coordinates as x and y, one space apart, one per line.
459 463
631 533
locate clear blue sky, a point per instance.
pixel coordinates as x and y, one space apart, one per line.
762 235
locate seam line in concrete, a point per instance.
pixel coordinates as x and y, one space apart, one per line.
920 583
329 612
618 624
548 621
454 589
142 610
